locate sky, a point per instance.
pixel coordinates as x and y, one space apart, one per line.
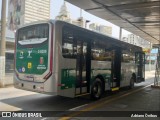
55 6
75 13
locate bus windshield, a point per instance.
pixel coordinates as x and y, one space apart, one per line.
32 49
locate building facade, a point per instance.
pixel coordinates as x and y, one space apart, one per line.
26 11
64 15
36 10
107 30
125 39
136 40
9 56
133 39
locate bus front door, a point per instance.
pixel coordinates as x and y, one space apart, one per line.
82 68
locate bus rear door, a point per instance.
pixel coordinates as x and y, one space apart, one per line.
140 66
83 64
116 69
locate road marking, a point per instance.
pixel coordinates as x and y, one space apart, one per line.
78 107
6 107
93 106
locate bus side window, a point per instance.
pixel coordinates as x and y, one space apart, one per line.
100 53
68 44
137 59
128 58
67 51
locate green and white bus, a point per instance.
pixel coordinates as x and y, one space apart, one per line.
55 57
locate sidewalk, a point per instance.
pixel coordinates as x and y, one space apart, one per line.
149 74
8 79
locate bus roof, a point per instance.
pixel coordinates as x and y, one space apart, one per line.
117 42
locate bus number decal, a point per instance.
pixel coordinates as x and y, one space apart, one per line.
42 51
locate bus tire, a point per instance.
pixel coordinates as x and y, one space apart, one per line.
131 86
96 89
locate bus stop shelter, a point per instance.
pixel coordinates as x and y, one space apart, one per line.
141 17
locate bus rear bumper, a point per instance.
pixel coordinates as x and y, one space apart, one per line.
33 87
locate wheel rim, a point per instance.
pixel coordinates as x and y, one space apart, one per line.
97 90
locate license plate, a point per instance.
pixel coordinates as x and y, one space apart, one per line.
30 78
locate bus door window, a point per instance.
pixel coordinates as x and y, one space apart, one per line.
69 45
116 68
139 60
103 52
127 66
81 81
113 77
81 64
143 69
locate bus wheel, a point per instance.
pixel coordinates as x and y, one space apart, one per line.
131 83
96 89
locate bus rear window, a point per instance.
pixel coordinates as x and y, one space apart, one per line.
35 34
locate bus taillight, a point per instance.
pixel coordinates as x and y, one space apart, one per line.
51 56
48 75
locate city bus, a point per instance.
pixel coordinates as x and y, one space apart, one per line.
59 58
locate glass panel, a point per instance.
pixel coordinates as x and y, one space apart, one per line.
101 52
69 49
35 34
128 57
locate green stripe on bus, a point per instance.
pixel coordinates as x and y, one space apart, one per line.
68 77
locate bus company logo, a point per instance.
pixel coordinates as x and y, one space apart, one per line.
23 69
41 60
21 55
20 70
29 54
6 114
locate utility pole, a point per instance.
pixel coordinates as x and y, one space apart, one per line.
3 44
80 12
120 33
